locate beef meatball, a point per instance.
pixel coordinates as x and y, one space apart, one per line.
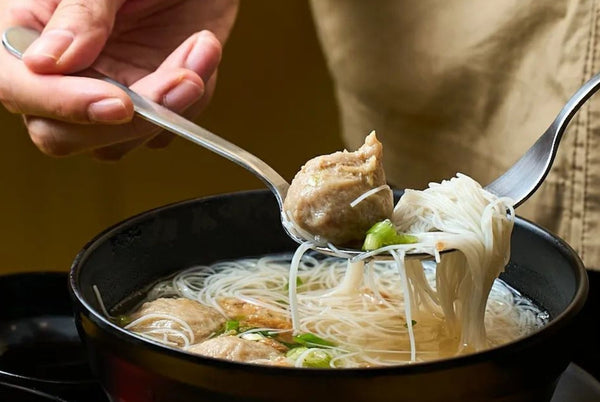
320 196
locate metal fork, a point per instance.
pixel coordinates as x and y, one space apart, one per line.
527 174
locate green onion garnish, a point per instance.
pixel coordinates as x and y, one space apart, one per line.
309 339
232 326
316 358
384 234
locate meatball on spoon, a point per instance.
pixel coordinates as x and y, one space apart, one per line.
344 173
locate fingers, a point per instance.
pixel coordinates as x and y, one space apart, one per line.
68 98
53 102
200 53
181 95
58 138
85 100
73 37
161 140
75 31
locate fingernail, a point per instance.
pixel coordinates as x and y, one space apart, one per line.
108 110
52 44
183 95
199 59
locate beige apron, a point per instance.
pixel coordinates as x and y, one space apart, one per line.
467 86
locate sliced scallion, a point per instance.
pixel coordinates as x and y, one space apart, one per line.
232 326
315 358
309 339
384 234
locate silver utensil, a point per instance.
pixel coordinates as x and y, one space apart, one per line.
523 178
518 183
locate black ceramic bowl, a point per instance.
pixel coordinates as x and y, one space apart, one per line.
137 252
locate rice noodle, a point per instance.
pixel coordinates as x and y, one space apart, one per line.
369 327
367 194
475 223
408 299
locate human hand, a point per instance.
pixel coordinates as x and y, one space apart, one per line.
166 50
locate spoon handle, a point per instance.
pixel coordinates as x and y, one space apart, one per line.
17 39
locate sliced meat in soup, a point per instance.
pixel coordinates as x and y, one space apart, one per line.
238 349
251 315
167 313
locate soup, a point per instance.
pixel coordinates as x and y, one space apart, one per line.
240 310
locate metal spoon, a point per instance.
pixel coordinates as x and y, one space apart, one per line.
17 39
518 183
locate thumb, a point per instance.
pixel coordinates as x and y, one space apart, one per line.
73 37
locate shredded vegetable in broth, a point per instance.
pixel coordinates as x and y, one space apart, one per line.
305 310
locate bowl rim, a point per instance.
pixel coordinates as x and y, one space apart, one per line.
97 317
